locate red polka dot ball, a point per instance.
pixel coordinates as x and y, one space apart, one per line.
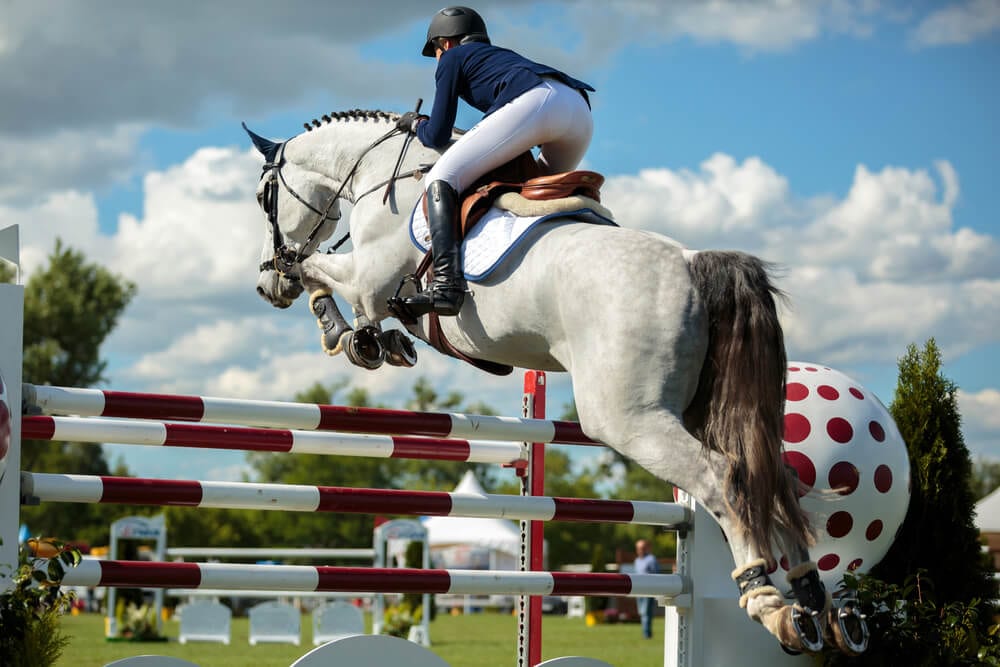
846 447
5 427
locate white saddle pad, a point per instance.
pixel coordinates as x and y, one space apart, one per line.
496 234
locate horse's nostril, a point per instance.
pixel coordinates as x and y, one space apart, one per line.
260 290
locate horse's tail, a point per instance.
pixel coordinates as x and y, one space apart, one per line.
738 409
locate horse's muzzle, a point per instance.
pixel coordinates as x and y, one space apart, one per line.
277 289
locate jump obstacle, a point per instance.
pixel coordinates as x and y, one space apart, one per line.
704 625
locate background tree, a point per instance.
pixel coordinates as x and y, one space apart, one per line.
938 534
985 477
70 307
934 573
320 529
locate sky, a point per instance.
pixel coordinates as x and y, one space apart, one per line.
853 142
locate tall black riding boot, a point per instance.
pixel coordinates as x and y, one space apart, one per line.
445 294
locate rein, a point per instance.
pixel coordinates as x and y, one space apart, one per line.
285 259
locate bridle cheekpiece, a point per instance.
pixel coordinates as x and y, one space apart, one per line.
285 259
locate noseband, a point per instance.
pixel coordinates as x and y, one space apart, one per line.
285 258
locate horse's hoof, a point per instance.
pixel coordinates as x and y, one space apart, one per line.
364 349
847 629
399 350
808 630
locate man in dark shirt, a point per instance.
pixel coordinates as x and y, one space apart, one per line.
526 104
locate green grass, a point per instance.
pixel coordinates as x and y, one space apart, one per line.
474 640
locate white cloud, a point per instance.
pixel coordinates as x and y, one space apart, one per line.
893 226
724 202
867 274
69 215
201 230
837 319
772 25
67 159
981 421
958 23
204 347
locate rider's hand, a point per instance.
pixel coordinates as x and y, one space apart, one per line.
408 121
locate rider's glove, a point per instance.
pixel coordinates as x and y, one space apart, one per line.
408 121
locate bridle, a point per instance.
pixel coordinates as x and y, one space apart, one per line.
285 258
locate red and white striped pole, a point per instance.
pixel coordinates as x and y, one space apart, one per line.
48 400
54 487
230 576
211 436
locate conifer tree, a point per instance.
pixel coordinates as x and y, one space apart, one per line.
938 534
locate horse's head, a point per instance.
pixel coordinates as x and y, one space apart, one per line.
302 208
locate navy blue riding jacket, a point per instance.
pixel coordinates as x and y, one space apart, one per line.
485 76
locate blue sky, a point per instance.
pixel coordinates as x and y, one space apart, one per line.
854 142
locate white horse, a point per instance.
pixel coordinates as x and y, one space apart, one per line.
677 358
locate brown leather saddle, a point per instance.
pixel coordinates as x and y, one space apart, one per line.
520 175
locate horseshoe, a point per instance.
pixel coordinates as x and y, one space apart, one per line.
848 629
364 348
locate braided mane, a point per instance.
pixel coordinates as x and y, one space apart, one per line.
353 114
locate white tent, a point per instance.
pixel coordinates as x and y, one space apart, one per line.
473 543
988 513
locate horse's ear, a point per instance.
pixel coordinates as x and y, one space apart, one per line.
266 147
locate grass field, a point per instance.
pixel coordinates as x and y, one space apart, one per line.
474 640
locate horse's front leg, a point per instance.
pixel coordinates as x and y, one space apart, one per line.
331 323
323 276
367 347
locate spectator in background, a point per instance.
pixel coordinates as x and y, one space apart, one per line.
645 563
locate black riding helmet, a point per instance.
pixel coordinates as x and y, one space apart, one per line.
455 22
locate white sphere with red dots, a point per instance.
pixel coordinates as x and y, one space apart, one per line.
5 426
847 449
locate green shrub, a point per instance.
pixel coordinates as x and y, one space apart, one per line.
912 625
30 632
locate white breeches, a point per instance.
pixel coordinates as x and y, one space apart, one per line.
551 115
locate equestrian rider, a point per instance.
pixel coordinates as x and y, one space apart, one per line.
526 104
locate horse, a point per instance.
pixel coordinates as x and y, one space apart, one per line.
676 357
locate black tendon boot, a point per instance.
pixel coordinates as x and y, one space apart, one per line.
445 294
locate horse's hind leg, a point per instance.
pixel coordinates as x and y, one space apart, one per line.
658 441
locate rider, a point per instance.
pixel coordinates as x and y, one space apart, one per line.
525 103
